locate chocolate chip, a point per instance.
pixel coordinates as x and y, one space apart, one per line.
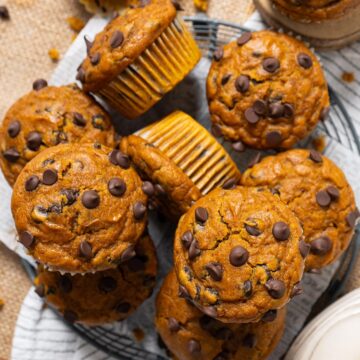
216 130
254 160
81 75
224 333
276 110
315 156
39 84
247 288
320 246
70 316
260 107
304 248
183 293
173 325
128 254
218 54
209 311
225 79
78 119
194 347
281 231
50 177
333 192
98 121
297 290
201 215
14 128
95 59
352 217
118 158
107 284
123 307
11 155
275 288
4 13
230 183
159 190
269 316
32 183
40 290
90 199
324 113
238 146
117 38
273 139
244 38
194 250
242 84
323 198
238 256
223 355
215 270
71 195
252 230
304 61
288 110
88 44
26 238
33 141
251 116
139 210
187 238
148 188
65 284
249 341
86 250
117 187
271 64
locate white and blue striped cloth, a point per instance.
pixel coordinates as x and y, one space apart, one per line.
41 335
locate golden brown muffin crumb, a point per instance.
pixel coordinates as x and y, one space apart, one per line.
76 24
54 54
348 77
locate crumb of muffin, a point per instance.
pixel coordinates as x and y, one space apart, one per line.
319 143
54 54
2 303
348 77
76 24
139 334
201 5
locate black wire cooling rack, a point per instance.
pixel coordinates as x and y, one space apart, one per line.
210 34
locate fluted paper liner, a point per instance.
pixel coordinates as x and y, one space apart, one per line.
154 73
194 150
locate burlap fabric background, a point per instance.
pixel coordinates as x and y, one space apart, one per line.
34 28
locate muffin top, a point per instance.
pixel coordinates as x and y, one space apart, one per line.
123 40
267 90
104 7
169 187
315 10
48 116
318 193
190 334
78 208
238 254
104 296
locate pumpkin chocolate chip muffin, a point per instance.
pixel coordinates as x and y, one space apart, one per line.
238 254
79 208
48 116
104 296
316 190
267 90
315 10
104 7
139 57
180 161
190 334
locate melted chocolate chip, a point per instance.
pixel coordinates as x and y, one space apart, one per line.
230 184
123 307
315 156
269 316
117 38
90 199
238 256
304 248
32 183
201 215
117 187
78 119
194 346
281 231
14 128
218 54
39 84
71 195
194 250
107 284
323 198
304 61
40 290
139 210
187 238
225 79
251 116
27 239
128 254
173 325
50 177
215 270
33 141
65 284
86 250
242 84
244 38
148 188
288 110
247 288
271 64
275 288
11 155
320 246
297 290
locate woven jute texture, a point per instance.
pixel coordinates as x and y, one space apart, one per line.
35 27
